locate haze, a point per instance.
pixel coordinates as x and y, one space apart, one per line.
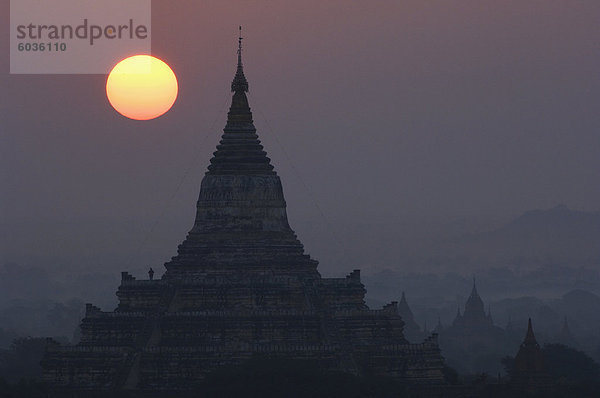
384 117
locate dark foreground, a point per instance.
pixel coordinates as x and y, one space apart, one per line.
293 379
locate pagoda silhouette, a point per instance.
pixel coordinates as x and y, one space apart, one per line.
529 373
239 287
474 319
472 341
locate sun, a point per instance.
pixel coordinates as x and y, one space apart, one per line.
142 87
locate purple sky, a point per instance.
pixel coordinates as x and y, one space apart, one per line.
386 110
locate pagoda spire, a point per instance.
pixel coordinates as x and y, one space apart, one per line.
530 337
239 83
239 117
474 307
474 290
405 311
240 151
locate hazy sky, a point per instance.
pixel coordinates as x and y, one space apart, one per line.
370 110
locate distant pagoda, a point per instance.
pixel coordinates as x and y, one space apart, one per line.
240 286
412 331
528 373
472 339
474 317
565 336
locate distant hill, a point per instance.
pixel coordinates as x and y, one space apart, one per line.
583 304
557 236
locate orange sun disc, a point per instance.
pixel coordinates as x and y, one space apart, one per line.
141 87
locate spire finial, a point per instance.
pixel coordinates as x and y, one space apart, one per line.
474 290
239 84
240 47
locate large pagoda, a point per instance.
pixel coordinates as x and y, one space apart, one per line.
240 286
